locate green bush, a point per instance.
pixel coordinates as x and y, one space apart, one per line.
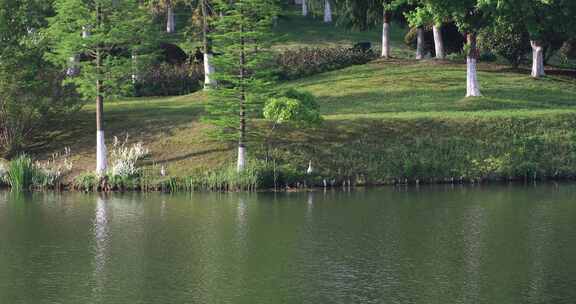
86 182
509 42
294 64
170 79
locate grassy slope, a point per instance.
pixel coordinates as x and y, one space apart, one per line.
389 104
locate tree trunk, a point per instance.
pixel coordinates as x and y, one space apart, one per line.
327 12
386 35
537 59
135 72
472 85
208 67
419 43
438 41
101 161
242 138
170 21
209 81
304 8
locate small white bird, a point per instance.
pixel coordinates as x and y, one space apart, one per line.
162 171
309 171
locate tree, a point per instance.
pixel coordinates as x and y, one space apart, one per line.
418 18
470 19
31 91
426 14
242 37
118 29
363 15
549 23
167 7
203 12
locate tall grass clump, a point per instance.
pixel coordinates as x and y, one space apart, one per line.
252 178
20 173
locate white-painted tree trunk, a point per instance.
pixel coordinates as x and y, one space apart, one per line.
327 12
386 40
304 8
73 66
85 32
170 22
101 151
419 43
135 73
472 85
537 60
241 158
209 81
438 42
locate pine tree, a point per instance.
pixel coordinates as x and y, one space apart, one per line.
107 33
242 38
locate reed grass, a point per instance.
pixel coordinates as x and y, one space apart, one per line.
20 174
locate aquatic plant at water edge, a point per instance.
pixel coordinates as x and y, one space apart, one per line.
50 173
20 173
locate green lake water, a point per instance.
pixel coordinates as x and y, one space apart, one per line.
441 244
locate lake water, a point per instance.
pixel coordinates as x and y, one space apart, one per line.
441 244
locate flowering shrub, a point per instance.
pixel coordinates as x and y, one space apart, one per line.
125 157
51 172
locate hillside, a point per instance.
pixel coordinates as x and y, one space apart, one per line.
409 116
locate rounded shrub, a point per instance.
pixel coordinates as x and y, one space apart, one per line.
511 42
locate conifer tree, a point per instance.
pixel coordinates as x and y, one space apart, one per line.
242 38
107 33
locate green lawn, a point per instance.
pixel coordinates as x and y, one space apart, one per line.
384 120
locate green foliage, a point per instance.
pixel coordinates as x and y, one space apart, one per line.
297 108
242 37
31 91
86 182
298 63
510 41
226 178
170 80
115 30
20 174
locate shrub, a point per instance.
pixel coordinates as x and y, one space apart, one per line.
170 79
453 39
304 62
86 182
510 42
124 158
51 173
